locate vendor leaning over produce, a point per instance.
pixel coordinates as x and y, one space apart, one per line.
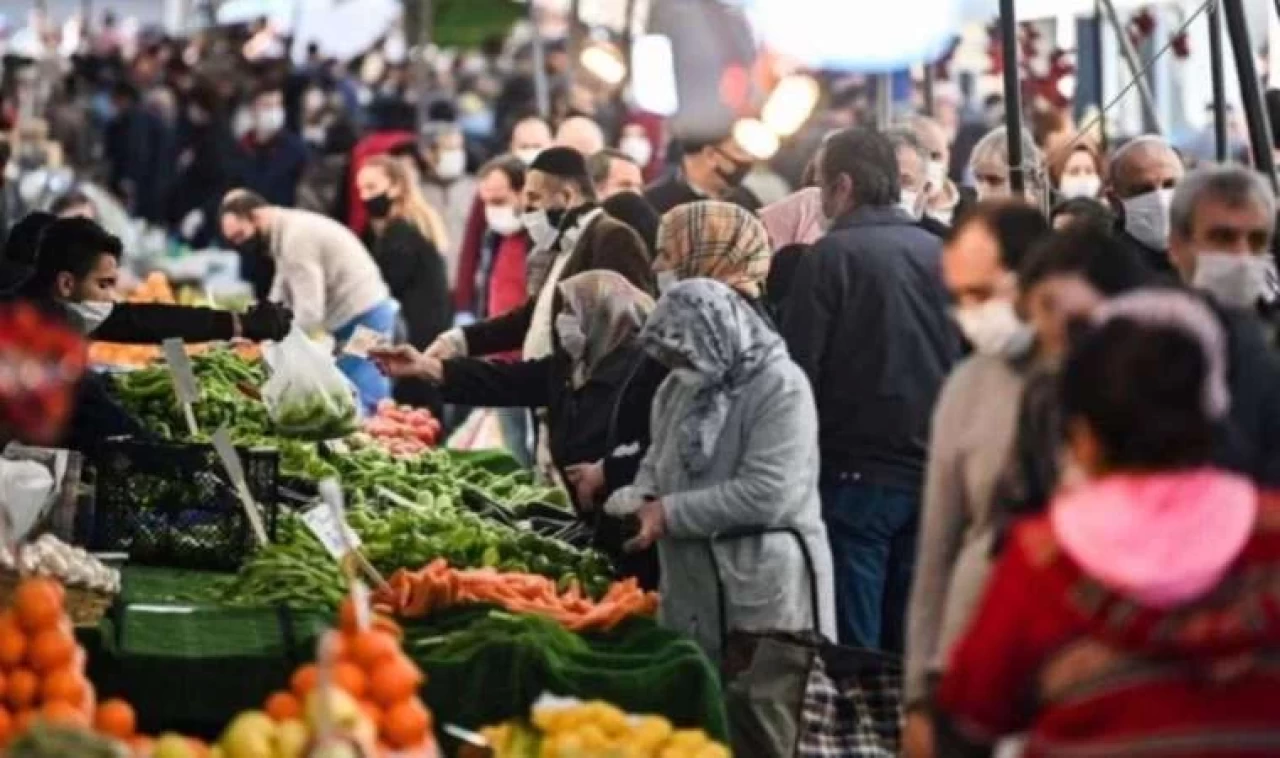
76 266
323 273
597 386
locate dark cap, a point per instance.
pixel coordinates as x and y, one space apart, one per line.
564 162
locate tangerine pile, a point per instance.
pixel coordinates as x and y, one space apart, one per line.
373 669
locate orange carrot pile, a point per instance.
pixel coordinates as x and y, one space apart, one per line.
412 594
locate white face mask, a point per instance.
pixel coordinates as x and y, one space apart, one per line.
268 121
687 376
1084 185
540 229
528 155
910 202
569 330
1146 218
315 134
1239 281
639 148
989 327
502 219
87 316
935 173
451 164
667 280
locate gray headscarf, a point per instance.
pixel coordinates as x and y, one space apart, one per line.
704 325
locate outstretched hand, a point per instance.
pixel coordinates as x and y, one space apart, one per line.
404 362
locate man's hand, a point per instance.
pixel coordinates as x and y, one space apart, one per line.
404 362
653 525
265 321
917 737
444 347
587 480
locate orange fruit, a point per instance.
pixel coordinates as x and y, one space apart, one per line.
13 643
371 711
38 604
141 744
405 724
65 685
394 680
51 649
23 688
347 615
370 648
22 720
115 718
304 680
283 706
6 725
60 712
350 679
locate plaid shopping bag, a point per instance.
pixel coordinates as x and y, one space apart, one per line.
852 706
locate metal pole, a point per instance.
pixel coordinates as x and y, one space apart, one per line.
1150 121
628 42
1100 79
884 100
928 86
1012 96
542 91
1250 90
1219 85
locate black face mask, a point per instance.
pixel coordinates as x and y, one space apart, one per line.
555 216
734 176
255 245
378 206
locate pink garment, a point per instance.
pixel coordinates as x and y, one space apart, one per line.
1161 539
795 219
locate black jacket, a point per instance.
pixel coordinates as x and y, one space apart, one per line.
150 323
868 321
606 419
674 191
1156 260
1249 443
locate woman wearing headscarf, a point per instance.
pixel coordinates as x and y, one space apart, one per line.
597 387
715 240
735 445
796 219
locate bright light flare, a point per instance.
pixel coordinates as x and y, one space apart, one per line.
790 104
753 136
604 63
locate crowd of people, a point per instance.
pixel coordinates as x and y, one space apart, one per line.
1025 438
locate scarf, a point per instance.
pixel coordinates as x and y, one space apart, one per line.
609 312
715 240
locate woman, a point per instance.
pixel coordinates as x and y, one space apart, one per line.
735 444
796 219
401 241
633 210
989 167
597 387
1137 616
715 240
1078 172
1081 210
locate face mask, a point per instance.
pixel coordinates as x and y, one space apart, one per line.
734 176
268 121
528 155
502 219
1079 186
315 134
451 164
569 330
910 202
540 229
639 148
1239 281
255 245
1146 218
687 376
378 206
89 315
990 326
667 280
935 172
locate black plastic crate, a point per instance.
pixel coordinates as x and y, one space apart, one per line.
172 504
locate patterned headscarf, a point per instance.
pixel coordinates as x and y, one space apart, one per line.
703 325
610 310
715 240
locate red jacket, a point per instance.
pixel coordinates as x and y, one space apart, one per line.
1086 671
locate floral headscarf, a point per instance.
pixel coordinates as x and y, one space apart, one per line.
610 312
703 325
715 240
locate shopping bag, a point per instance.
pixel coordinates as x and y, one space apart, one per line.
307 396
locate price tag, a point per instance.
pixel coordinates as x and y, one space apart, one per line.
336 536
184 380
362 341
235 470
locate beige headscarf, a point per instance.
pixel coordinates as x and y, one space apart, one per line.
610 312
714 240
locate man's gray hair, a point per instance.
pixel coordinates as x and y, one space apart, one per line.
995 147
902 136
1145 143
1233 186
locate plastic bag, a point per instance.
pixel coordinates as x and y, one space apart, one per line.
26 489
307 396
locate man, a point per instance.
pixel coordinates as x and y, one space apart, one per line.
946 201
913 161
530 136
448 187
868 320
1140 184
570 235
614 171
494 282
72 204
581 134
323 273
132 144
709 170
273 157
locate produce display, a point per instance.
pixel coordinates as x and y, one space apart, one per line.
316 416
228 384
413 594
573 729
399 429
73 566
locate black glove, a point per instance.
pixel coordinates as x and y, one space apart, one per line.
265 321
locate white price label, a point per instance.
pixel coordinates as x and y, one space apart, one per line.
336 536
235 470
184 378
362 341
